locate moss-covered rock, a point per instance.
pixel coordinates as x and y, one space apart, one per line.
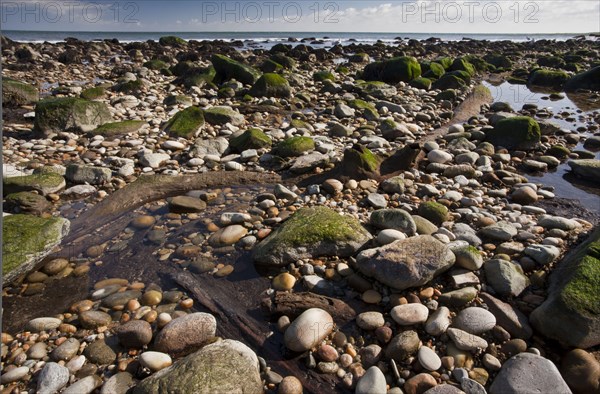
293 147
252 138
27 203
571 313
43 182
586 168
16 93
432 70
223 114
498 60
448 94
399 69
377 89
462 64
310 233
186 123
69 114
195 76
27 239
285 61
445 61
321 76
517 132
271 85
172 41
227 68
301 124
118 128
176 99
155 64
129 87
548 78
271 66
587 80
93 93
558 151
226 366
551 61
359 161
448 81
434 212
421 83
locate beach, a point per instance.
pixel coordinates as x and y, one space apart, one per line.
300 213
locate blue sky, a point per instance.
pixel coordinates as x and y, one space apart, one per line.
442 16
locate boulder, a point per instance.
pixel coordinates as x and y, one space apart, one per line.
26 240
81 173
548 78
186 123
220 115
586 168
27 203
252 138
586 80
293 147
571 313
16 93
227 68
398 69
528 373
186 334
226 366
406 263
55 115
271 85
309 233
517 132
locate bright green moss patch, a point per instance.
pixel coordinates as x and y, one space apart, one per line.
24 236
421 83
559 151
186 123
461 64
518 132
227 68
313 225
118 128
271 85
433 211
548 78
321 76
360 158
44 182
93 93
582 292
250 139
360 104
294 146
432 70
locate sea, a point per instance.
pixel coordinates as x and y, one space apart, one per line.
269 39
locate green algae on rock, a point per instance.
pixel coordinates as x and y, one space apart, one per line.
226 366
548 78
227 68
93 93
434 212
45 182
223 114
571 313
517 132
309 233
252 138
26 239
586 168
186 123
271 85
69 114
293 147
172 41
15 93
27 203
398 69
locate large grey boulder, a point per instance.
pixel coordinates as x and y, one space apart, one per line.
223 367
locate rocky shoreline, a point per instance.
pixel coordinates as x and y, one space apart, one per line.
352 219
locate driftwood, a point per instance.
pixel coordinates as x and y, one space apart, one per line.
293 304
235 322
150 188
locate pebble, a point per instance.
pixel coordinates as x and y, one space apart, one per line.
143 222
409 314
465 341
308 330
52 378
135 334
284 282
66 351
43 324
84 386
419 383
14 375
438 322
372 382
474 320
290 385
370 320
155 361
429 359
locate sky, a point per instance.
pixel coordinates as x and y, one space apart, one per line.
401 16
